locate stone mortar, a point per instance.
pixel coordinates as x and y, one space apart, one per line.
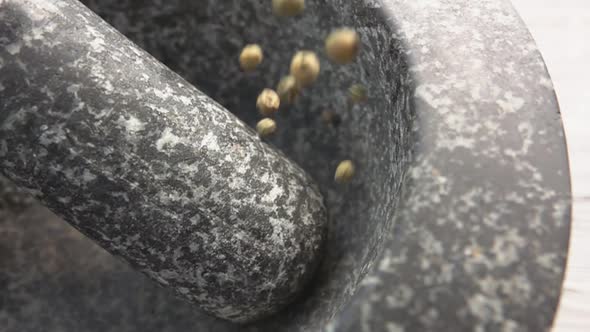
458 219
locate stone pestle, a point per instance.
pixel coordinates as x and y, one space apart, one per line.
152 169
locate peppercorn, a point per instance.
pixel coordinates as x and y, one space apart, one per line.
288 89
305 67
251 57
344 172
268 102
266 127
331 118
357 93
288 7
342 45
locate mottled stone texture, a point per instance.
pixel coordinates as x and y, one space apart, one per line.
376 134
156 172
480 241
457 220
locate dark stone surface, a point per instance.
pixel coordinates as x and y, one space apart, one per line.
149 167
458 219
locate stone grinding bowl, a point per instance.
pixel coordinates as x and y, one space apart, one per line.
458 218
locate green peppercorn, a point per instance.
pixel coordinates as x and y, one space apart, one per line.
266 127
288 89
251 57
288 7
305 67
342 45
344 172
357 93
268 102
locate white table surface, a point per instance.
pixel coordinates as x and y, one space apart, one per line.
562 30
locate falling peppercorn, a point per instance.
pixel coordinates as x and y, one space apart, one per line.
266 127
344 172
288 89
288 7
357 93
251 57
268 102
342 45
305 67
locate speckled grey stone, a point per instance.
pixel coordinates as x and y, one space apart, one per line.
458 218
155 171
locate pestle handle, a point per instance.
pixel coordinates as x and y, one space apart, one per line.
152 169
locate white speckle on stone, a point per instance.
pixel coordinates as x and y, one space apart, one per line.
273 194
330 327
168 139
108 86
510 103
185 100
548 261
168 275
546 82
64 200
131 125
236 183
485 308
158 109
74 88
87 176
210 142
193 247
281 231
370 281
121 195
13 48
393 327
510 326
43 9
429 93
506 248
97 45
164 94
